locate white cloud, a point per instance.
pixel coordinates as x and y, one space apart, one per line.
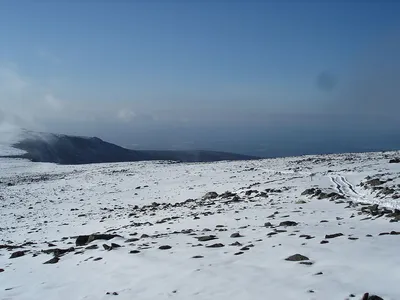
126 115
11 82
25 102
53 102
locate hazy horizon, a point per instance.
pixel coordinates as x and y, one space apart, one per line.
266 79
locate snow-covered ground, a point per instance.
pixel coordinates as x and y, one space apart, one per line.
46 206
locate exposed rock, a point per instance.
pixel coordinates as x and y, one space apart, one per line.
395 160
198 256
306 236
165 247
332 236
324 242
86 239
371 297
92 247
97 259
210 195
206 238
249 192
1 270
297 257
237 244
134 251
288 223
54 260
236 235
227 194
17 254
218 245
58 252
239 253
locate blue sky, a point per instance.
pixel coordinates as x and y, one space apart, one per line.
129 70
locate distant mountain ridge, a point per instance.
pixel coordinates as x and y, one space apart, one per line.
66 149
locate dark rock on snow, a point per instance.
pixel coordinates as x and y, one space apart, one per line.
297 257
54 260
206 238
17 254
332 236
288 223
165 247
236 235
218 245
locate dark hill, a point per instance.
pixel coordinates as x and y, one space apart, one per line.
64 149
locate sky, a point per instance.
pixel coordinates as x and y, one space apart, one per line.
243 76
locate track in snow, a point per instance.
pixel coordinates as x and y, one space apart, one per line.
346 188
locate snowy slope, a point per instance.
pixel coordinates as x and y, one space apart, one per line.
153 204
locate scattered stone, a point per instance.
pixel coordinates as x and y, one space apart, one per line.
198 256
206 238
237 244
318 274
268 224
54 260
306 236
332 236
372 297
86 239
17 254
236 235
114 245
395 160
218 245
97 259
297 257
1 270
239 253
92 247
307 263
301 202
288 223
352 238
134 251
210 195
58 252
106 247
245 249
324 242
132 240
165 247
